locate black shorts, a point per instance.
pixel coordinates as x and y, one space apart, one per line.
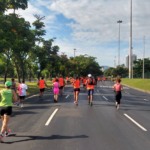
118 96
61 87
90 92
6 110
77 89
22 97
42 90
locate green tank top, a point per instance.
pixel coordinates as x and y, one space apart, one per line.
6 97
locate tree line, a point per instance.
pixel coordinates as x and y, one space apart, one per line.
25 54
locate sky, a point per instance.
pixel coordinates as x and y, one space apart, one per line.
90 27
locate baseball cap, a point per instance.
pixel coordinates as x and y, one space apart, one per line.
8 83
89 75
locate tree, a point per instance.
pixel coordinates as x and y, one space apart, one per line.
138 68
16 4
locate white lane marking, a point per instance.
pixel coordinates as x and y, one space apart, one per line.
146 100
51 117
136 123
105 98
67 96
32 96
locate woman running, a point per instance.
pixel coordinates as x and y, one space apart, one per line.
56 90
7 97
118 88
76 86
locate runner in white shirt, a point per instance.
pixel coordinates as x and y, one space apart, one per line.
22 91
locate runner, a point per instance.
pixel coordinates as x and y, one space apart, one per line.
22 91
42 84
7 98
61 84
118 88
13 87
56 90
84 82
76 86
90 88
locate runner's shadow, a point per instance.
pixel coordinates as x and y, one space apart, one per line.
52 137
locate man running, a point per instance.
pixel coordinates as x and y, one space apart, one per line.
90 88
42 84
76 86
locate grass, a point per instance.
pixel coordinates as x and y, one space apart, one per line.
143 84
32 87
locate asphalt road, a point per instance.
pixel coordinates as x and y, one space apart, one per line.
43 125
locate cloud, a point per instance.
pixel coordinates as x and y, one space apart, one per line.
93 28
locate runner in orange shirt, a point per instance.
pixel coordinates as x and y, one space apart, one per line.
90 88
84 82
61 84
76 86
42 84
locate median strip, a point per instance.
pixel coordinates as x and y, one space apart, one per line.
51 117
136 123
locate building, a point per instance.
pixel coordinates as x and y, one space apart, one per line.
134 58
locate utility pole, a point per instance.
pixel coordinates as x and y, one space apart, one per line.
143 57
130 47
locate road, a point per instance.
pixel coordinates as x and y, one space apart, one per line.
43 125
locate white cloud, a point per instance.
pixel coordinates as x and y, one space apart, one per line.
95 25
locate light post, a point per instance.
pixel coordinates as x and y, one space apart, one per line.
144 58
130 45
119 21
74 52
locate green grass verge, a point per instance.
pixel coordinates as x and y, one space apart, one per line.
143 84
32 87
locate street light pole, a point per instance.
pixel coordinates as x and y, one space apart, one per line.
144 58
130 47
74 52
119 21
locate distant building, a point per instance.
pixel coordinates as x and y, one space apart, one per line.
134 58
103 68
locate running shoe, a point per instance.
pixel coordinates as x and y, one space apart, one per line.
21 106
9 133
1 138
91 103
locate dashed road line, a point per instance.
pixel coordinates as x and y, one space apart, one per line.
51 117
146 100
136 123
67 96
105 98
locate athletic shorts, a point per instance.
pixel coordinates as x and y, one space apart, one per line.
90 92
77 89
6 110
22 97
56 91
42 90
61 87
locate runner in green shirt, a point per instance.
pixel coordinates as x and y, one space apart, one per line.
6 102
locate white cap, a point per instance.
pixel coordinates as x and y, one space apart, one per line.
89 75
